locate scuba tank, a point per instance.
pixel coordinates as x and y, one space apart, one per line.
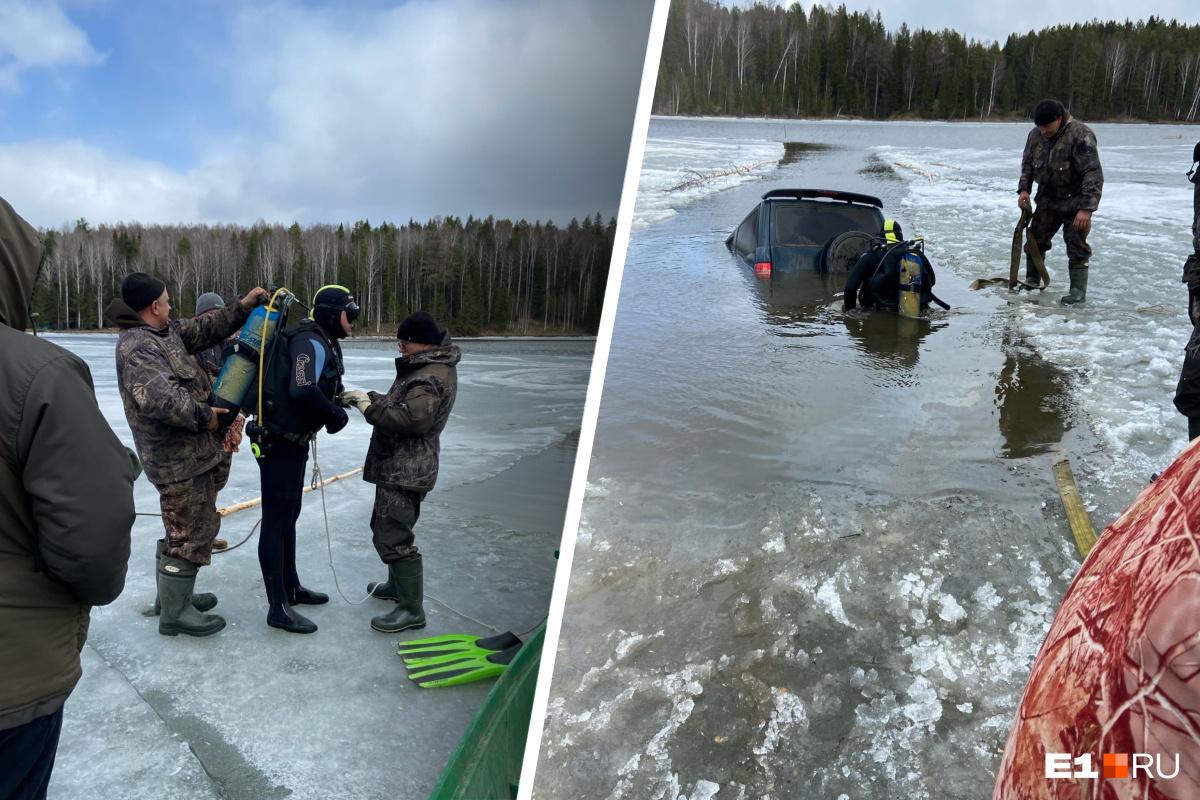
911 280
235 386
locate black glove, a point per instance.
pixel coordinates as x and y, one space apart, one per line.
339 421
1191 271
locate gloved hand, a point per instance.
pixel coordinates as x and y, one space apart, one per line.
357 398
339 421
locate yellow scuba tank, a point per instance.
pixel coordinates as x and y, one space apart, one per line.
911 282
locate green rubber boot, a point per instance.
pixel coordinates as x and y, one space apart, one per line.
176 578
203 601
1079 281
407 577
384 590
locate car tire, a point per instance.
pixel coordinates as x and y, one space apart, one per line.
841 252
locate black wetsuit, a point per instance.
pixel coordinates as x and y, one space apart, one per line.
314 378
875 280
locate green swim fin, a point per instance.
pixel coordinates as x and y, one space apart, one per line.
454 644
455 670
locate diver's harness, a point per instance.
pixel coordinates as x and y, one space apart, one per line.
272 375
886 246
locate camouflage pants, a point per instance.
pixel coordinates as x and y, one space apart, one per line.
189 512
396 512
1048 217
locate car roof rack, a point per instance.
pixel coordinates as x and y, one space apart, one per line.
829 194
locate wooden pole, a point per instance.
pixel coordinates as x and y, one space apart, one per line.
236 507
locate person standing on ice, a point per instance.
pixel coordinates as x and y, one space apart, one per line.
211 359
402 460
165 396
302 378
66 512
1187 393
1060 155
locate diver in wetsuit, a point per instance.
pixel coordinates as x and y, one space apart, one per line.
300 385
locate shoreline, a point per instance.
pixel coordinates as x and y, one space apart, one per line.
956 120
381 337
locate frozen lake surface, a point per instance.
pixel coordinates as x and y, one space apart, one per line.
254 712
819 550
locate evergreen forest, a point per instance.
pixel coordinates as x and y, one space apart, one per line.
478 276
767 60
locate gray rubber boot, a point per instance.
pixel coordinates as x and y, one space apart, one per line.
202 601
408 579
176 578
1079 280
384 590
1032 276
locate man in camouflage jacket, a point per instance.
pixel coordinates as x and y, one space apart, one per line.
402 460
1061 156
1187 394
164 392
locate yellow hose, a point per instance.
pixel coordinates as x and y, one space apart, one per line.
1077 517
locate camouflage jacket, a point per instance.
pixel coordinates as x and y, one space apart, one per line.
1065 167
409 419
165 392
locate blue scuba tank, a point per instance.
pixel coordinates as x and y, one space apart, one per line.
239 375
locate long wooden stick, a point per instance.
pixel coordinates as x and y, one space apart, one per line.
1081 526
236 507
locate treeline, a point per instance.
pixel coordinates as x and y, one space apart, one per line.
771 61
474 277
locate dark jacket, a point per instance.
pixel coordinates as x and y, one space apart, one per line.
1065 167
409 419
66 498
165 392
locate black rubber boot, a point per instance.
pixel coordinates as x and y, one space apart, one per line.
384 590
1079 281
408 579
299 596
201 601
281 614
1033 278
176 578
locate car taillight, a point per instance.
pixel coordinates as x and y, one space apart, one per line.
763 269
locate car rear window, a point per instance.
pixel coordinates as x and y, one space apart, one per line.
814 224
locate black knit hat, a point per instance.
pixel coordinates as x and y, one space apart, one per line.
1047 111
139 290
420 328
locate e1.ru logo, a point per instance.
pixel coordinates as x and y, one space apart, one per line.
1116 765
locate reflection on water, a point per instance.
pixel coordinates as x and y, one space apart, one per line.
1031 396
800 305
797 151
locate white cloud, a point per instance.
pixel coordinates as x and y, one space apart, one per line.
518 109
461 107
39 35
50 183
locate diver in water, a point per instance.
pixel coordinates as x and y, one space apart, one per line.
874 282
300 382
402 460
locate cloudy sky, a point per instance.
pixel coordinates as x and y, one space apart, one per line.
994 20
229 111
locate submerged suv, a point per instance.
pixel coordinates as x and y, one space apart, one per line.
797 229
